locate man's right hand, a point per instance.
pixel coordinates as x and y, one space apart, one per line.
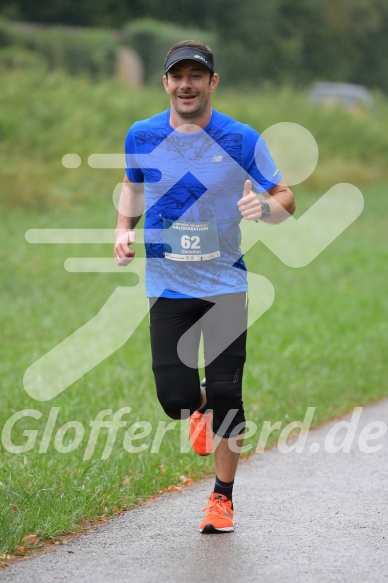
122 253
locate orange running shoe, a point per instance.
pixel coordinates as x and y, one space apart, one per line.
201 432
219 515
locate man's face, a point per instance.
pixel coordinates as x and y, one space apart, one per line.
189 86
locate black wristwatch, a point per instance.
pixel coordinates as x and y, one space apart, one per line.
265 210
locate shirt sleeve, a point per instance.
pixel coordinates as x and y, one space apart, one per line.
258 162
132 169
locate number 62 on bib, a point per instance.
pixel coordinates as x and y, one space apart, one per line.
190 241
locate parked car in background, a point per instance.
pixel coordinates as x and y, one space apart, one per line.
347 95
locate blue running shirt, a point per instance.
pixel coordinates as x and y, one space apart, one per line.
194 181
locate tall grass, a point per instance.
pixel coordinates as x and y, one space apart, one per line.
44 116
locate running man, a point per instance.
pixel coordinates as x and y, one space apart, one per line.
196 173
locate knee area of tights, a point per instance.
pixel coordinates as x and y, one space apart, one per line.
224 390
176 408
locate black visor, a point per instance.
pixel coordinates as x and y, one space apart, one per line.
188 53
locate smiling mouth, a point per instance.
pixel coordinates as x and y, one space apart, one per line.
186 97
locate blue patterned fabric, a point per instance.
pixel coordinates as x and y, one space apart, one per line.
196 177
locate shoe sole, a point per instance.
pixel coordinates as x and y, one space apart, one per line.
210 529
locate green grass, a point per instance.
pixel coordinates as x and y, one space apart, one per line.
46 115
322 344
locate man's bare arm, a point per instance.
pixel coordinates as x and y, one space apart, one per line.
130 211
281 202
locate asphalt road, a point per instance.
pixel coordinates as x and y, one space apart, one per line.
315 516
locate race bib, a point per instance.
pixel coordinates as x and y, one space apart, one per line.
190 241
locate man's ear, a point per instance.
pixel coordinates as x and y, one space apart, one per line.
165 83
214 82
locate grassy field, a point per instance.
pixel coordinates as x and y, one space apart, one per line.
322 344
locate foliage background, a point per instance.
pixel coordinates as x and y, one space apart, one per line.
281 41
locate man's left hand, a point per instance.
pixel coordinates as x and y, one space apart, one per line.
249 204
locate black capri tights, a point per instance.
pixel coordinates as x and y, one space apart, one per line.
175 327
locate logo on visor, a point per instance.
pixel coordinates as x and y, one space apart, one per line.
201 58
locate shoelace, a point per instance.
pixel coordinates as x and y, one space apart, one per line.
217 506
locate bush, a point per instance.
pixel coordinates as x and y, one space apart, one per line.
14 57
152 40
5 36
78 52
